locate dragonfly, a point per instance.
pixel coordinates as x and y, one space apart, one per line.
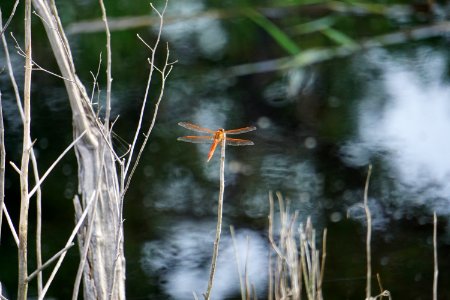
215 136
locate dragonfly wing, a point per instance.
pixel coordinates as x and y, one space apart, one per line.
196 139
238 142
240 130
194 127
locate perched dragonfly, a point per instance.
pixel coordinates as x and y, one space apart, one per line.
215 137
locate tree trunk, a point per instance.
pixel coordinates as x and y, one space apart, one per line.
104 270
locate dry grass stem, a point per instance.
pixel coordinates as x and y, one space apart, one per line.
2 161
207 295
297 265
236 254
369 235
435 254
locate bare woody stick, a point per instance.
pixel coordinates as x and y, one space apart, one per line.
219 220
24 199
369 235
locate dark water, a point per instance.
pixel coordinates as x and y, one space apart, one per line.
319 127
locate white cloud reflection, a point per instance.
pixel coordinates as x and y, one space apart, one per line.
183 259
406 120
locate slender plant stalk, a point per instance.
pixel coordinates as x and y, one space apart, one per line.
33 162
84 252
436 270
24 199
164 72
150 76
219 220
2 161
69 242
236 254
3 28
271 275
11 226
48 262
369 235
108 66
38 224
322 267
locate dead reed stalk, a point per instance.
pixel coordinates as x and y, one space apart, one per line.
207 295
297 265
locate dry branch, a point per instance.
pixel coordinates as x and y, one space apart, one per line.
219 220
2 161
369 235
26 148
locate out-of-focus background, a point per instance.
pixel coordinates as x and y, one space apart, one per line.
332 86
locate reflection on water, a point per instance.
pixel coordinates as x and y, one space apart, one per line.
407 127
183 259
198 36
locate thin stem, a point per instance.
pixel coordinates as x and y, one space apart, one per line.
9 19
87 241
369 235
436 270
24 199
48 262
164 75
271 274
108 66
150 76
219 220
69 241
33 162
53 165
2 161
236 254
11 226
322 268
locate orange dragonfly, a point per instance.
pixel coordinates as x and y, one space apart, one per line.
215 137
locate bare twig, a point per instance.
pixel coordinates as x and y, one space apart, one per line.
165 72
108 66
10 18
369 235
436 270
16 168
53 165
33 161
94 77
219 220
144 102
271 275
2 160
11 225
236 254
84 252
48 262
69 241
33 63
26 147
